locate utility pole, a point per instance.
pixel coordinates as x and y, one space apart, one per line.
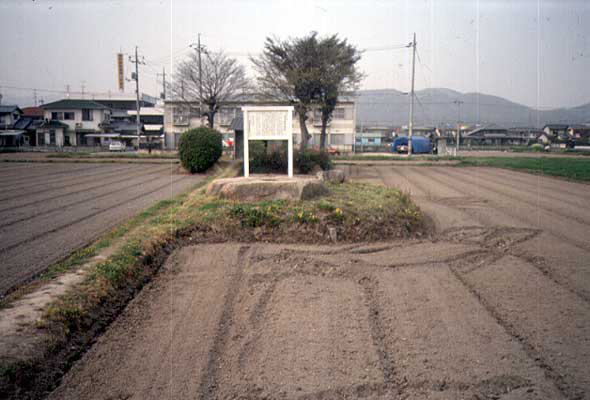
83 86
411 124
200 49
163 94
35 96
68 91
458 103
137 105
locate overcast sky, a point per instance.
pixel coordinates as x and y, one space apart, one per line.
532 52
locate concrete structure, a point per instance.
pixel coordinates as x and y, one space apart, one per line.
180 116
267 187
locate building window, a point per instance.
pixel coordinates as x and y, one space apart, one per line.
67 140
83 140
86 115
180 116
52 136
195 112
41 141
339 113
69 116
57 115
337 139
226 116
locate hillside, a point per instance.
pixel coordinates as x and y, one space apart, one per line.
436 106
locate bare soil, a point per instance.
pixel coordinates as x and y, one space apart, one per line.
494 306
49 210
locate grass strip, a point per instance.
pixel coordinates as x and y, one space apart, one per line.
572 168
394 158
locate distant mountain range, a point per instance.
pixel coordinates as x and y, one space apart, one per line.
436 106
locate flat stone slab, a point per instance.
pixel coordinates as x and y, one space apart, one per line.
267 187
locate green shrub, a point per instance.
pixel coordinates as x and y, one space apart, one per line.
306 161
199 149
272 158
537 147
268 157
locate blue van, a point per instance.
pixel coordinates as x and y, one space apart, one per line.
420 145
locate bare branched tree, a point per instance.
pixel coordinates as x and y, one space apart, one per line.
222 79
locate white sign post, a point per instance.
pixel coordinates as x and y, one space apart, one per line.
268 123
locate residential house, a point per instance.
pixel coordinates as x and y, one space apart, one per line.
424 131
384 134
579 133
35 113
556 132
72 122
492 134
30 120
28 126
125 101
527 135
180 116
9 115
368 141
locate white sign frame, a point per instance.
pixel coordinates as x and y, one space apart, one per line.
286 134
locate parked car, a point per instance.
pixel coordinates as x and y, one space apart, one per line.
333 151
117 146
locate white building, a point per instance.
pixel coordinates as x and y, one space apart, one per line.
180 116
72 122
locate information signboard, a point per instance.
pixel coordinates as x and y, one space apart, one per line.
268 123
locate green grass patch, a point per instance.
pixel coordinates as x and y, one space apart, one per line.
393 158
573 168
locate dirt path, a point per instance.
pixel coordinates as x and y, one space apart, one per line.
496 306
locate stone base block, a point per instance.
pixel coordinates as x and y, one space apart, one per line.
267 187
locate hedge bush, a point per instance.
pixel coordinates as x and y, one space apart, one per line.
272 158
199 149
306 161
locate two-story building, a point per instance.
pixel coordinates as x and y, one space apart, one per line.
180 116
152 122
72 122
